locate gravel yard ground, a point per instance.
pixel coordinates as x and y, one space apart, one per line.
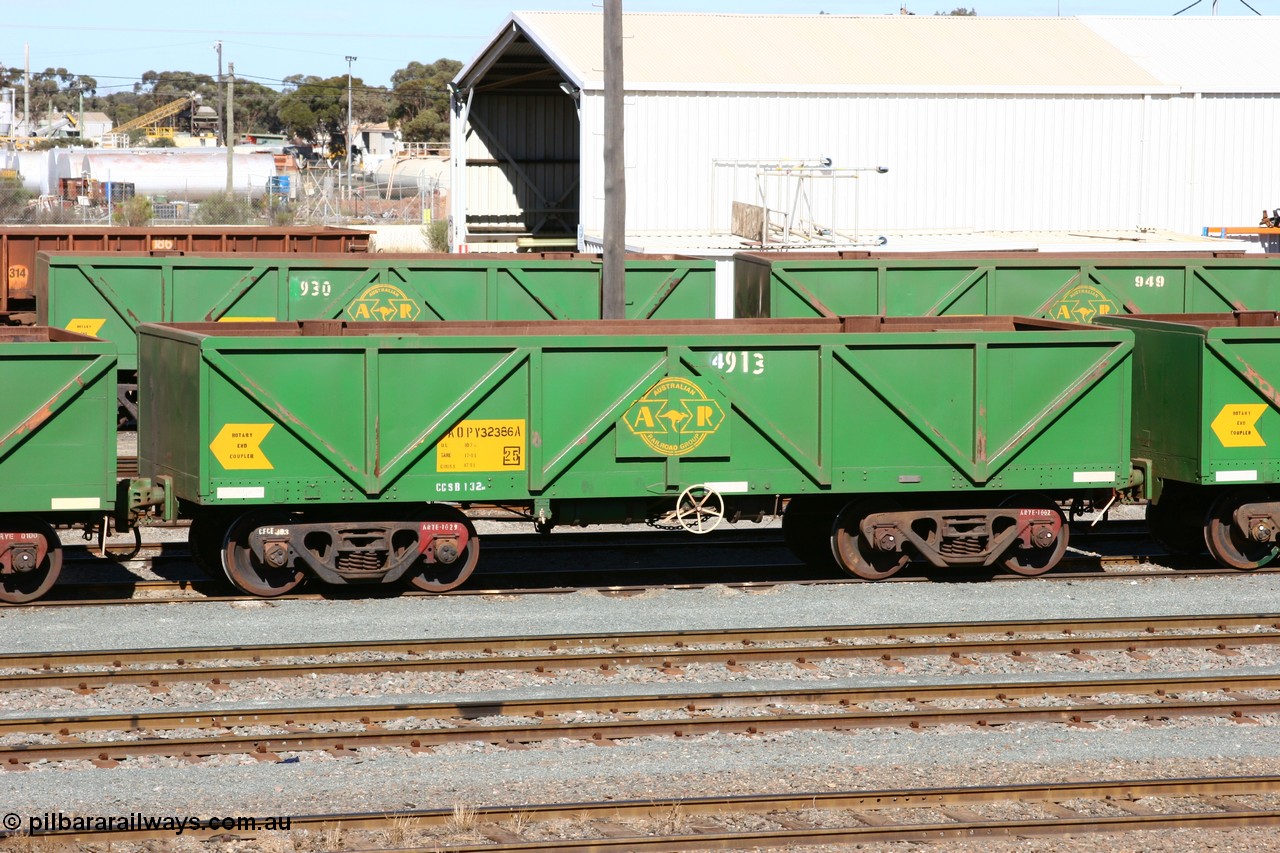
660 768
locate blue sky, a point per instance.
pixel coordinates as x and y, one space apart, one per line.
116 42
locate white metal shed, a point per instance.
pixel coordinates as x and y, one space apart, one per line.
1009 124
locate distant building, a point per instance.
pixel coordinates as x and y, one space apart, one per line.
377 140
982 123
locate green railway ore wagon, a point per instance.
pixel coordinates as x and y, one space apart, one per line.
1206 429
57 448
1070 287
351 451
19 245
110 295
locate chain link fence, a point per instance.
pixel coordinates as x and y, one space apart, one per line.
293 199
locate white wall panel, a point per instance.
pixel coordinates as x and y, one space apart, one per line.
1017 162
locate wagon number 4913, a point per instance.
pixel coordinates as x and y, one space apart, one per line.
739 362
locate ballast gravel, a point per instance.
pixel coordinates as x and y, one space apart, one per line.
658 768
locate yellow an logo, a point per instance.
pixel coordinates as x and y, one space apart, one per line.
383 302
674 416
1081 304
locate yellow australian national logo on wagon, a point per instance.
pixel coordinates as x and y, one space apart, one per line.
383 302
674 417
1081 304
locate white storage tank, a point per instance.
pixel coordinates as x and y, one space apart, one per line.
37 168
408 176
182 175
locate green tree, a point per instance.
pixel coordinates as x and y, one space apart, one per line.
316 109
255 108
14 199
168 86
437 235
224 209
420 100
135 212
62 142
959 10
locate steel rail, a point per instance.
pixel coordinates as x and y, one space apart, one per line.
865 807
618 650
694 702
1070 628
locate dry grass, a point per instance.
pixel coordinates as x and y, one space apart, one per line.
518 823
462 821
673 821
401 831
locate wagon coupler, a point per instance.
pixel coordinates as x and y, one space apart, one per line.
147 499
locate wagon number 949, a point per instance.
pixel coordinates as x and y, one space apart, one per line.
1148 281
740 361
315 288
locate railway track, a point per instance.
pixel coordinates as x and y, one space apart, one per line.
666 650
1074 702
850 817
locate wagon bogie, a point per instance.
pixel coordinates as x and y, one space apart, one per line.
269 551
30 558
873 536
1241 527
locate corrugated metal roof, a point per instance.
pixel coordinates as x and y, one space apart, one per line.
817 53
1204 54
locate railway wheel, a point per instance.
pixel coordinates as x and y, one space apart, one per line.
440 576
35 560
244 569
806 528
852 550
1177 522
1227 543
1036 561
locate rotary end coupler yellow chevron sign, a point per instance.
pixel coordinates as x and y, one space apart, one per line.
237 447
1237 425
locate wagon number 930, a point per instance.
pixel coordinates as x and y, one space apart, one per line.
315 288
1148 281
740 361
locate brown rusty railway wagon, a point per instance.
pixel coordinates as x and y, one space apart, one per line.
20 243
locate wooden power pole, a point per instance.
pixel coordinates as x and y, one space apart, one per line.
613 300
231 130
